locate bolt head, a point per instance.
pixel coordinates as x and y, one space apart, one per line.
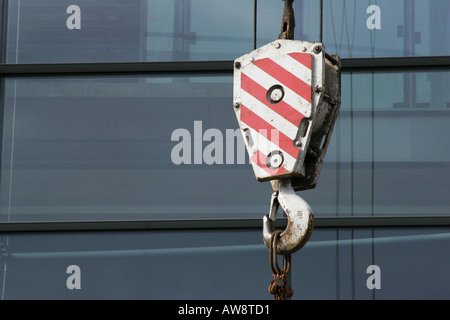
276 95
318 48
276 161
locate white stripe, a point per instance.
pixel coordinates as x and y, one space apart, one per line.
296 68
268 115
260 172
266 146
266 81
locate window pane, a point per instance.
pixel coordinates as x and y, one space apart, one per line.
168 147
356 29
387 155
125 148
335 264
223 264
51 31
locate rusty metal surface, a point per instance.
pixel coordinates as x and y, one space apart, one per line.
287 21
326 114
280 285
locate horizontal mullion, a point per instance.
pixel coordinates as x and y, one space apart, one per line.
396 64
115 68
142 225
211 67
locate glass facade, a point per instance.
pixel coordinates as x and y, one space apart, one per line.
386 156
135 30
110 148
89 148
225 265
52 31
96 146
357 29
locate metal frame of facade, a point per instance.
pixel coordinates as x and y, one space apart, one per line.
210 67
197 224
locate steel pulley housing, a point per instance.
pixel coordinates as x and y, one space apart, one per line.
286 99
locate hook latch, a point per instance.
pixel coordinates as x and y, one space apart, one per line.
300 219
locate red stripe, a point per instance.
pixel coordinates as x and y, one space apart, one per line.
303 58
285 77
267 130
260 93
260 160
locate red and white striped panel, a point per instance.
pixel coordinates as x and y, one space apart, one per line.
274 125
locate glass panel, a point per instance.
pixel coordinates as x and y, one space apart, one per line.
166 265
386 156
111 148
224 264
413 263
125 148
357 29
54 31
398 257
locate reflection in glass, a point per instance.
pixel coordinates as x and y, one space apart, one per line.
225 264
360 29
175 30
168 147
127 31
386 156
107 148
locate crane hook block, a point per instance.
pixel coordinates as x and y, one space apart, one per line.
286 98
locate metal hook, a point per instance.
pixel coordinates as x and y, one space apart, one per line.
300 219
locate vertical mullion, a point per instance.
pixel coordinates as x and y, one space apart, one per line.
255 17
3 21
3 16
3 24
